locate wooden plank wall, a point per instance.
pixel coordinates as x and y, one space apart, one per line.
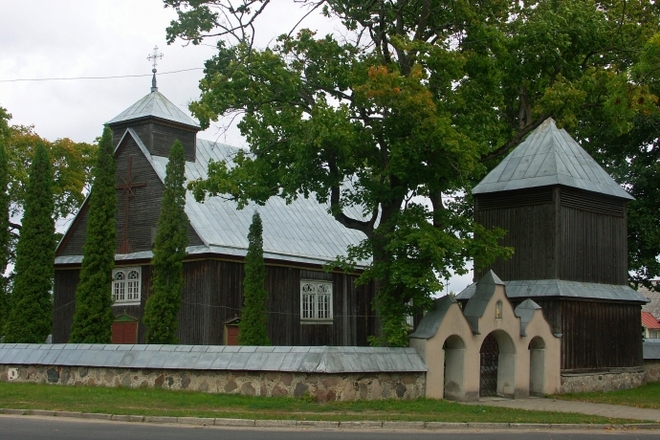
529 219
594 240
213 295
599 336
558 233
158 136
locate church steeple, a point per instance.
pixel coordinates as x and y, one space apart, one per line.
154 57
157 121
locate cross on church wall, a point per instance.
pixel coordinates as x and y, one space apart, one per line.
128 187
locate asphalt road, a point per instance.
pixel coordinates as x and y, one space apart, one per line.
50 428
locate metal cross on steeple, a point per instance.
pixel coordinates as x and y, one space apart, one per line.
154 58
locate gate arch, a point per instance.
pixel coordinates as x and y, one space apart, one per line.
537 367
497 365
454 374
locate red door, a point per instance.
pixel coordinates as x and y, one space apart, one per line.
124 332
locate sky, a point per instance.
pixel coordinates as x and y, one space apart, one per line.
48 47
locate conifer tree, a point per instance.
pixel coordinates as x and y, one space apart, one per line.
252 328
31 307
5 236
92 320
162 308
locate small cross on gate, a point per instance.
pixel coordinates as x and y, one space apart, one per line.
128 188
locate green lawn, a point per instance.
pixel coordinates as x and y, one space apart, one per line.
157 402
647 396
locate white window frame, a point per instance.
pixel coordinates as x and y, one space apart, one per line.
127 285
316 302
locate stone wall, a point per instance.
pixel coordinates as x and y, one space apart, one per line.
603 381
652 369
321 387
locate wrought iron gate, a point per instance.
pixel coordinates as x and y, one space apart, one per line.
490 352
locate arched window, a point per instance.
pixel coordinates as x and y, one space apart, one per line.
126 283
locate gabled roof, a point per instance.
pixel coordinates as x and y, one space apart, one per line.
484 291
525 311
155 105
649 321
564 289
550 156
428 326
302 231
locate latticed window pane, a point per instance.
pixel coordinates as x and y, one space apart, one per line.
118 291
133 285
126 285
316 300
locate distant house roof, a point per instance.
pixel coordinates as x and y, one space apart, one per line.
653 306
302 231
564 289
549 156
649 321
156 105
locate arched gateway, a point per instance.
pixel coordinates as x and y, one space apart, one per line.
489 348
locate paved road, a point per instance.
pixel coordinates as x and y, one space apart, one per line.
51 428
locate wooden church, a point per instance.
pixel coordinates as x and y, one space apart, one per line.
566 220
306 305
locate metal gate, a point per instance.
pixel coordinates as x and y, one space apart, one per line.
490 352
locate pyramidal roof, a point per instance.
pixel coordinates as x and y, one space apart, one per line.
550 156
155 105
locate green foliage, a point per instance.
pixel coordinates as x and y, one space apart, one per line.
31 307
5 237
72 168
416 99
92 320
254 314
162 308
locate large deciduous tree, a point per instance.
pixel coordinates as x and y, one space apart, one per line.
92 320
254 314
162 308
416 98
31 307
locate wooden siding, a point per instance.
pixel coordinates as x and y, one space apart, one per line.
213 295
593 239
530 225
600 336
144 206
558 233
158 136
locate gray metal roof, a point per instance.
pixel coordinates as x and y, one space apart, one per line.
217 357
428 326
549 156
563 289
302 231
156 105
651 349
476 306
525 311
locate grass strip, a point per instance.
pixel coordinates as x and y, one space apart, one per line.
160 402
646 396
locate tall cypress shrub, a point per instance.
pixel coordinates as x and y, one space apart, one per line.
92 320
30 317
5 236
254 315
162 308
